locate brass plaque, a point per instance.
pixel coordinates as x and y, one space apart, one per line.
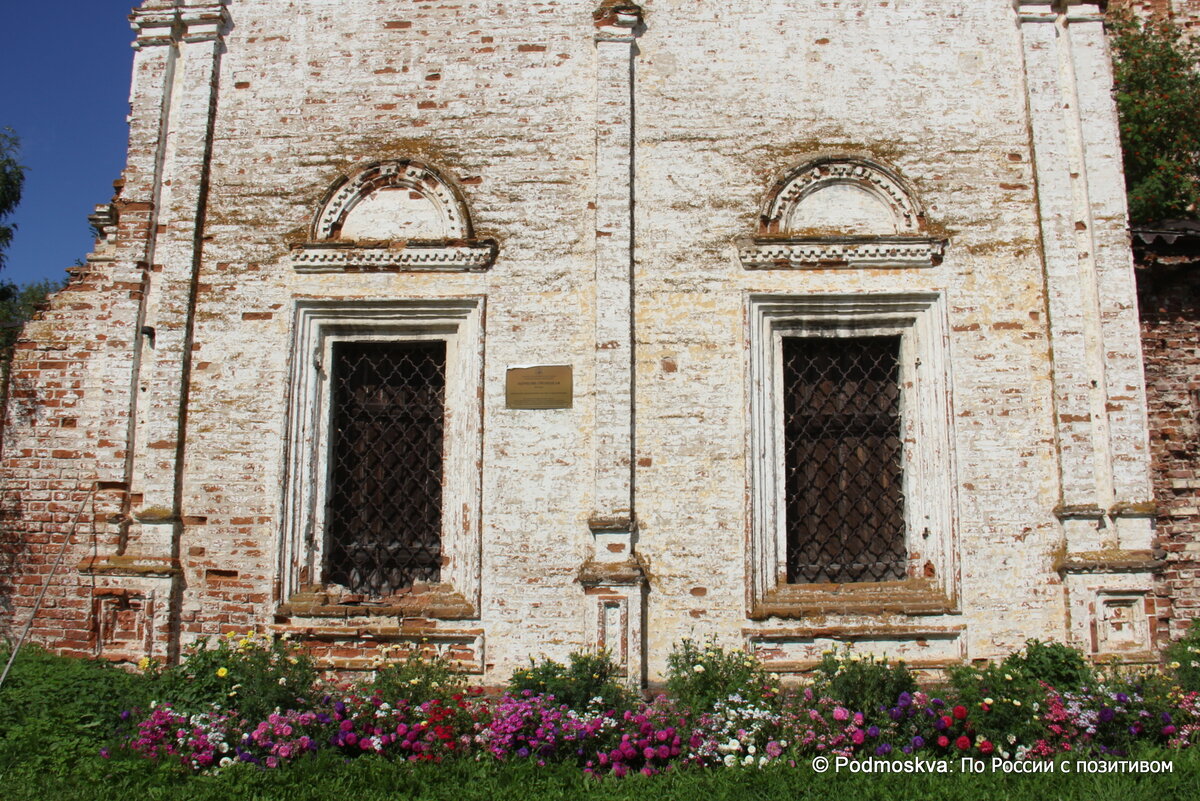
547 386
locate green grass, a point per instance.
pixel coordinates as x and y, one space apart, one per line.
371 779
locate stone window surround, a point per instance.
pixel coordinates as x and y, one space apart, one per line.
318 323
929 489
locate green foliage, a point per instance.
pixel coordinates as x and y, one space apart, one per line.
1183 658
698 676
17 305
1060 666
1158 100
56 710
1006 698
251 674
1004 702
862 683
416 679
12 178
586 677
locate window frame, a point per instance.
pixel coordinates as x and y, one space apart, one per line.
930 498
318 326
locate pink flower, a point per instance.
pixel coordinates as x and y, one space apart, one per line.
840 713
857 737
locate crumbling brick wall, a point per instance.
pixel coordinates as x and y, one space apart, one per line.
72 361
1169 296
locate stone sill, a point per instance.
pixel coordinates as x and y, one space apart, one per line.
1111 561
439 601
135 566
913 597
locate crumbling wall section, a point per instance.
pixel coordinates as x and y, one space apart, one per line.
1169 296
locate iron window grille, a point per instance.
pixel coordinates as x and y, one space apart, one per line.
843 460
383 516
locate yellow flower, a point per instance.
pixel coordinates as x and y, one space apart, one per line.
143 663
222 672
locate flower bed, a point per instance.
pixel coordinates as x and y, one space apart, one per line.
999 711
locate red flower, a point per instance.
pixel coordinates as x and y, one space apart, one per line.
943 741
960 712
962 743
986 747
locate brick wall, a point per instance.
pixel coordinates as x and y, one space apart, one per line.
1169 296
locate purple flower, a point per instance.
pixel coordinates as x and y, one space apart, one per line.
1166 717
905 699
896 713
918 742
883 750
1122 698
1106 715
873 731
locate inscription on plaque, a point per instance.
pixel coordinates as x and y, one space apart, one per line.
547 386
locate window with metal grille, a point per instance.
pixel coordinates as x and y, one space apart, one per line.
383 518
843 459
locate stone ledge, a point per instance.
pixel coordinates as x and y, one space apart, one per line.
627 572
466 255
439 601
913 597
839 252
1111 561
136 566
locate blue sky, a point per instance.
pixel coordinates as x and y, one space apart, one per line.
64 89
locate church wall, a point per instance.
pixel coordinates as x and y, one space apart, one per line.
269 110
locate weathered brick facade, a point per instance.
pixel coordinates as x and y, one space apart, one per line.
655 197
1169 299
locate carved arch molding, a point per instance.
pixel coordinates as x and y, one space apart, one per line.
393 216
840 212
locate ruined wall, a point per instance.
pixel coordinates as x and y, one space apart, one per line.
1170 308
622 166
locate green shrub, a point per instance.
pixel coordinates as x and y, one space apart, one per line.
1004 702
417 678
698 676
1061 666
862 683
250 674
1158 99
588 679
1183 658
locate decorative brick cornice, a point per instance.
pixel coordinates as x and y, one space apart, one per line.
824 253
472 255
165 26
618 22
1050 10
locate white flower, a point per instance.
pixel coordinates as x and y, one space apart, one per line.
748 761
751 749
225 762
698 669
730 760
282 680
